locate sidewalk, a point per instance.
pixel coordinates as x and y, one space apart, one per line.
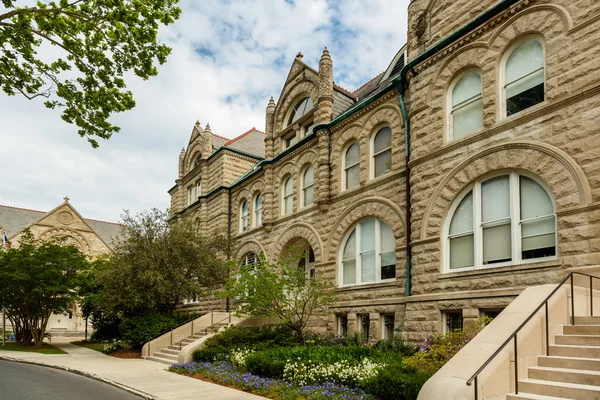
147 378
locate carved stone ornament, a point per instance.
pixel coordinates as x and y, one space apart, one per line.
65 218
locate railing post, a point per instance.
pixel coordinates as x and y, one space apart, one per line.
192 328
572 301
516 367
591 298
212 313
547 335
171 337
229 317
475 387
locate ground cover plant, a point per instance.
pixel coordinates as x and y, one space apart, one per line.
44 349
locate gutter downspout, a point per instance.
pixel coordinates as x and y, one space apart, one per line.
401 83
228 240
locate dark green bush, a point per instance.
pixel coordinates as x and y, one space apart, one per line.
210 354
136 330
252 337
393 383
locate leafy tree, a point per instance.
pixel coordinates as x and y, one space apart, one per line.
282 291
156 265
39 279
96 43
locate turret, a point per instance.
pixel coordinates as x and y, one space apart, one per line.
324 110
269 128
181 163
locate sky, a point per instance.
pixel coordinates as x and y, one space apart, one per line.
228 58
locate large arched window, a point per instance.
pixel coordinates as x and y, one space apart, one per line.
368 254
258 210
381 152
250 259
466 105
300 109
287 196
524 76
351 166
244 216
307 263
308 183
508 219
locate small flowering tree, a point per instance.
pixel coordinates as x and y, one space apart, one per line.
282 291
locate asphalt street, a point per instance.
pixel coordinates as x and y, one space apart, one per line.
20 381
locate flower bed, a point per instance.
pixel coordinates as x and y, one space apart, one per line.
224 373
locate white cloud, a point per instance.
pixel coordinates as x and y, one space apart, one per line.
228 58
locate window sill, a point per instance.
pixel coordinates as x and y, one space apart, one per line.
249 231
495 270
362 286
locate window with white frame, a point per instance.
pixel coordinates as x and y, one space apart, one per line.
507 219
466 105
287 198
307 263
290 140
368 254
364 325
382 152
192 197
351 166
307 129
258 210
387 331
342 325
250 259
300 109
199 189
308 183
244 216
524 76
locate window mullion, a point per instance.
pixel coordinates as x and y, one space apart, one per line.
358 254
477 228
515 210
377 251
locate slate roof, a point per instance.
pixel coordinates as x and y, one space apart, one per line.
13 219
252 141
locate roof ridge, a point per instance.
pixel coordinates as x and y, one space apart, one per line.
346 91
22 208
369 81
235 139
222 137
104 222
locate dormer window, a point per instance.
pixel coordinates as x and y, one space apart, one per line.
290 140
198 158
301 108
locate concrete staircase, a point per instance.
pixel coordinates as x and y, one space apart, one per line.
170 354
572 368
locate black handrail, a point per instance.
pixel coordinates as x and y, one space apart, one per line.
513 336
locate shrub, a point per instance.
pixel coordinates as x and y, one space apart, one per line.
439 349
136 330
392 383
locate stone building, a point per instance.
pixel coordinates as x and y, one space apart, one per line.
92 237
504 182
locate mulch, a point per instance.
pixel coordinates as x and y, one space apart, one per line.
127 353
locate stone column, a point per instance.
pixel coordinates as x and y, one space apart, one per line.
181 163
269 199
470 316
374 328
269 130
352 324
324 110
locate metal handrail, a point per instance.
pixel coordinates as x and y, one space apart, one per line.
513 336
211 324
178 326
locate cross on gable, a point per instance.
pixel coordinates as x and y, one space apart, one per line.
66 199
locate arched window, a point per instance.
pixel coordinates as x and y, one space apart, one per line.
524 76
307 263
466 111
245 216
508 219
287 199
382 152
300 109
307 186
352 166
250 259
368 254
258 210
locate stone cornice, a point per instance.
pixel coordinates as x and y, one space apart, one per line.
296 152
578 209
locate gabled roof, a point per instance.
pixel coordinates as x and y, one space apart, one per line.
15 219
251 141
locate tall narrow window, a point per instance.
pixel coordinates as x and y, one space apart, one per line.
524 77
342 321
352 166
199 189
307 186
245 217
466 114
382 152
307 263
192 197
368 254
288 196
508 219
258 210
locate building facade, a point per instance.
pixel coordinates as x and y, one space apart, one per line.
502 100
92 237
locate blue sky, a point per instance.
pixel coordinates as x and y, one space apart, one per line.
228 58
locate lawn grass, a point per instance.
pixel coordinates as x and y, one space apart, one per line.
45 349
89 345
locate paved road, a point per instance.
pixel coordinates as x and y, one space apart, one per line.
20 381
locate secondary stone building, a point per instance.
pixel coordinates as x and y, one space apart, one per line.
503 183
92 237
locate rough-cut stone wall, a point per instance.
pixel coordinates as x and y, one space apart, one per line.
237 166
556 140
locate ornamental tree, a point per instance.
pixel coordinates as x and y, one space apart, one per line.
283 291
93 44
39 279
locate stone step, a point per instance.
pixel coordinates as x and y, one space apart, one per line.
591 364
530 396
587 320
575 351
167 356
578 340
560 389
565 375
174 351
160 360
581 330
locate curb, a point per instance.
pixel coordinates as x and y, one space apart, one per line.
129 389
